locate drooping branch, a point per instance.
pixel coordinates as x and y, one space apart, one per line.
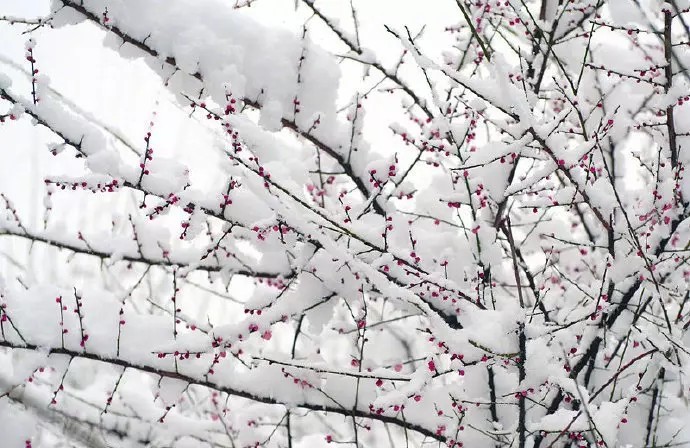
359 180
228 390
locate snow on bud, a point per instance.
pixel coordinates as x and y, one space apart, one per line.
16 111
56 148
30 44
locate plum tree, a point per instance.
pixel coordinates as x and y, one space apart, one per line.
452 223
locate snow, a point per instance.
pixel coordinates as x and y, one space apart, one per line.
314 235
